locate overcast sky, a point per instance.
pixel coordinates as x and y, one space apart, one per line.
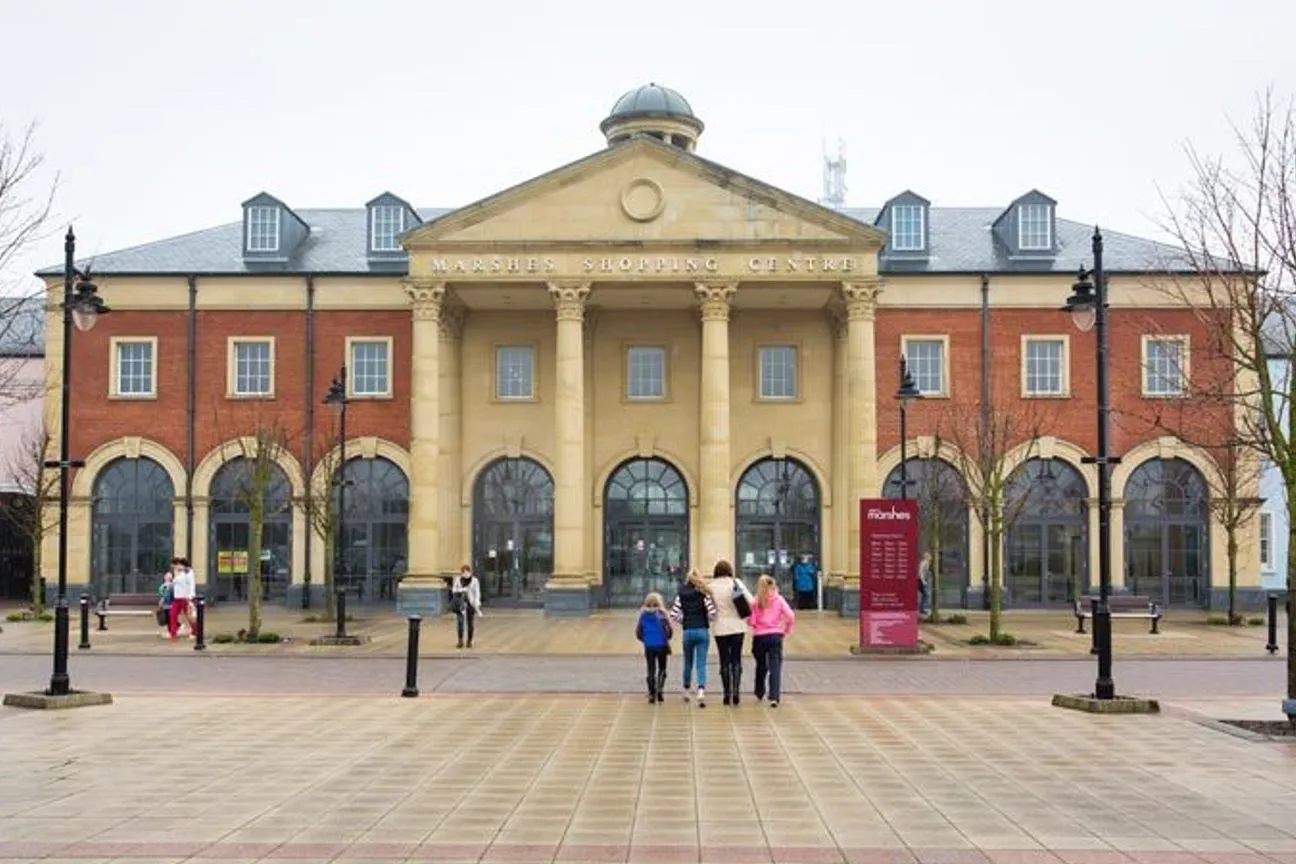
160 117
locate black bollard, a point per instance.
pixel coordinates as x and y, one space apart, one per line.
411 658
85 623
341 613
200 643
1272 647
1093 640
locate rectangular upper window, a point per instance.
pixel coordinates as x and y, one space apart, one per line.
369 369
778 372
251 367
1165 365
1045 364
387 221
907 228
514 372
1034 226
1266 540
926 358
645 372
134 368
263 229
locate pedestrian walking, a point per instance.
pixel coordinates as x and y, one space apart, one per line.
805 579
772 620
184 588
166 597
694 609
733 605
465 602
654 630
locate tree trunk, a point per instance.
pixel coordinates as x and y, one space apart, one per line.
1291 603
1233 617
996 583
933 586
330 601
256 517
37 599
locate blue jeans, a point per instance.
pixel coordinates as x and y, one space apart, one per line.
696 641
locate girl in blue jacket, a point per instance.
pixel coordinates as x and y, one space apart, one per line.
654 631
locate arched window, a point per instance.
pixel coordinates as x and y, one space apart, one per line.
941 494
777 527
230 532
1167 525
375 541
513 502
1047 538
131 523
645 531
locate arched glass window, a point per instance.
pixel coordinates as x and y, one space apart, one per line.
645 531
941 494
1167 526
777 527
778 487
230 533
131 522
375 541
1047 538
513 502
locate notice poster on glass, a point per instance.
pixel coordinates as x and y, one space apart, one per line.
888 572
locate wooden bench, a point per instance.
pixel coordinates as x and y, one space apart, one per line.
125 604
1121 606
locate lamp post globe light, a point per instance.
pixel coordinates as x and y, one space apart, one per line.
1087 306
336 400
82 307
908 392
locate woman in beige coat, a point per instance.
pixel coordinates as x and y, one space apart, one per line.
728 627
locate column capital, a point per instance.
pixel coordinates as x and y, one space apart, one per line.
569 299
451 318
860 299
715 299
425 295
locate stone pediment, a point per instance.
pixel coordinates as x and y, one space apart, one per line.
642 195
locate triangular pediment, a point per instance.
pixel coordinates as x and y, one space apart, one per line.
646 192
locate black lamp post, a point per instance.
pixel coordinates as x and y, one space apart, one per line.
1088 307
908 391
82 307
336 399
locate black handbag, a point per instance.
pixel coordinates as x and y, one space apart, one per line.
742 605
163 618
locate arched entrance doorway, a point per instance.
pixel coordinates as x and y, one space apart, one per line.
645 531
777 521
513 530
131 519
938 488
230 532
1167 521
375 545
1047 541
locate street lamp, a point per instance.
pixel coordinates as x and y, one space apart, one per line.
336 399
1087 306
908 391
82 307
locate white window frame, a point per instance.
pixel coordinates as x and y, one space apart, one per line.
232 390
896 234
254 240
1264 540
115 344
1034 209
533 388
398 227
660 351
1064 372
795 395
943 339
351 343
1185 356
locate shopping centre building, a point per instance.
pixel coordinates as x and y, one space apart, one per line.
636 363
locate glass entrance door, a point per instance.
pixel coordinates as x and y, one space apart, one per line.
1046 562
774 549
1184 571
1166 562
1024 574
642 557
515 561
1064 576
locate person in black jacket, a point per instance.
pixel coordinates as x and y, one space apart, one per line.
694 610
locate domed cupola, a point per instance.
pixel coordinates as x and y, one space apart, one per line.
653 110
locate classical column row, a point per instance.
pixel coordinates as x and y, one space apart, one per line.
424 538
859 300
715 512
570 493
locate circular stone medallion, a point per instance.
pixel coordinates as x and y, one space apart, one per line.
642 200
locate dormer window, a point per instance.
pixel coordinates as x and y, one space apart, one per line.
387 223
908 228
1034 227
263 229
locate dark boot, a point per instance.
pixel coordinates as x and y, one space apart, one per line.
735 681
652 688
724 681
661 686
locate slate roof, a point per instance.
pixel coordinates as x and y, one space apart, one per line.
22 327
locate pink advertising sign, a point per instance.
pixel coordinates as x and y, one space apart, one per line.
888 572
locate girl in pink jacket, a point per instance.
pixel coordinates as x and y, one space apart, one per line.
771 619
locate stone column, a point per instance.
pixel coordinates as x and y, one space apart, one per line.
715 512
422 589
450 444
568 591
860 299
840 515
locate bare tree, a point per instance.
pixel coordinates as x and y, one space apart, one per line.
932 490
33 513
1235 224
319 506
